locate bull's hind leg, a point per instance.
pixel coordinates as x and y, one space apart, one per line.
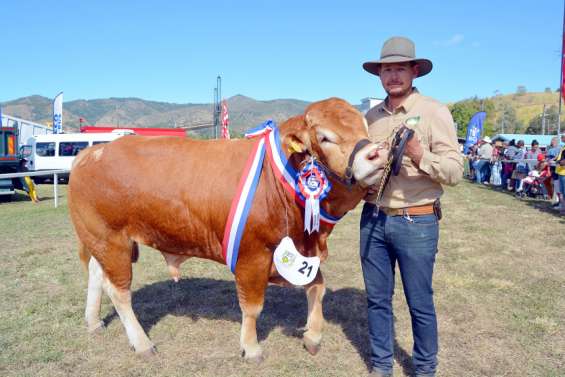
116 265
251 294
315 293
93 297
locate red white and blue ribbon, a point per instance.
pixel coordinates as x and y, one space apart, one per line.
241 203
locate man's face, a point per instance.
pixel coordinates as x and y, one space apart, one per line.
397 78
534 147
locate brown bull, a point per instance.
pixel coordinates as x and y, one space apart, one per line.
175 195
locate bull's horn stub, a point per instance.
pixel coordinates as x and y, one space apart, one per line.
291 265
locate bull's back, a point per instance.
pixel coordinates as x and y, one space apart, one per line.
170 193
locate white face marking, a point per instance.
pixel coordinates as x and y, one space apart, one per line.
326 136
368 166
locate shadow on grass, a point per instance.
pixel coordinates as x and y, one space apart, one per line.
284 307
541 205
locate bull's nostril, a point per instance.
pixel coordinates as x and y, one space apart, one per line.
373 155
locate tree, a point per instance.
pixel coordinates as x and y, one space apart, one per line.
521 90
462 112
508 122
535 126
547 90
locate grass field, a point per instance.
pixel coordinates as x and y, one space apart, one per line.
499 286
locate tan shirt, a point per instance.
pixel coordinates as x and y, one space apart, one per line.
441 163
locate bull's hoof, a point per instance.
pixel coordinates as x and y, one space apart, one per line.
312 347
97 328
148 353
255 358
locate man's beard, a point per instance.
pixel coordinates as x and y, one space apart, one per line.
395 93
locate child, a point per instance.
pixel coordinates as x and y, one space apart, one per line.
541 172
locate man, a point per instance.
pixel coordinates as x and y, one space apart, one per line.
552 153
560 171
484 159
403 226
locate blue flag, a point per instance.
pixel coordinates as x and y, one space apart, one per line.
474 129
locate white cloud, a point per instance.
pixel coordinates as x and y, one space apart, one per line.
455 40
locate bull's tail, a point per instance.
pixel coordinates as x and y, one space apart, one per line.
84 255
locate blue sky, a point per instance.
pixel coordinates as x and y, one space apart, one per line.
173 50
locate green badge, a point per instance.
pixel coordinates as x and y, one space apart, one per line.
412 122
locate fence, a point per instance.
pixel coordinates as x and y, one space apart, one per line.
54 173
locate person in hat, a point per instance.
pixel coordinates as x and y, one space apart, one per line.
483 161
402 227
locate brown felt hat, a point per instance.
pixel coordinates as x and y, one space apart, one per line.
398 50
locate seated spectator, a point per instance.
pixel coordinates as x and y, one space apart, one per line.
540 174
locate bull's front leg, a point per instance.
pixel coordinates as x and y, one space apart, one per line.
251 294
315 293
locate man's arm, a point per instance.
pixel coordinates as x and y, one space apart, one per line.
443 163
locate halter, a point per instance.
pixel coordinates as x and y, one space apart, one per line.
347 180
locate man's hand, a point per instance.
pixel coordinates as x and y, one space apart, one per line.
414 150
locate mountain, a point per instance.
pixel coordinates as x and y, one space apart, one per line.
244 112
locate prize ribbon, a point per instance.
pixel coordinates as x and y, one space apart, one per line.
313 186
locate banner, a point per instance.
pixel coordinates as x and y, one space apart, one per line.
474 130
58 114
225 121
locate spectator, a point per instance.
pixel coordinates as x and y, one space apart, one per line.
482 165
560 170
533 154
521 167
540 173
552 152
496 164
508 167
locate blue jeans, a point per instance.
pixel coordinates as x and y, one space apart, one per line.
412 242
562 184
482 171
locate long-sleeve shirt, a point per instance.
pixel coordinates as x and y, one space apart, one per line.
441 162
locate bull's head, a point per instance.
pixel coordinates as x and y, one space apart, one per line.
333 131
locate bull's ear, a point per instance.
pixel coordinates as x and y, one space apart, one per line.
296 137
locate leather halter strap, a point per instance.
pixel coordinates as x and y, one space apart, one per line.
347 179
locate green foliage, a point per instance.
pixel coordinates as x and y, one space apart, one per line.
536 124
521 90
507 121
463 111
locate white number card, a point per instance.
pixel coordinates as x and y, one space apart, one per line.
294 267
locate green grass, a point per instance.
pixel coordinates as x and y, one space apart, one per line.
499 286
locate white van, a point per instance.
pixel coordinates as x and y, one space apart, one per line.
57 151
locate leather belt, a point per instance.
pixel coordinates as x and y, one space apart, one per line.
426 209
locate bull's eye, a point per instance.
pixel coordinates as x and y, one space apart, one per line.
326 137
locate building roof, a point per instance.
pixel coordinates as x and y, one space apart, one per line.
543 140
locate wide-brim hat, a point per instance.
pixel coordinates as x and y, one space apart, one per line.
487 139
398 50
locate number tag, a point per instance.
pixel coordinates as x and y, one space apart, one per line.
294 267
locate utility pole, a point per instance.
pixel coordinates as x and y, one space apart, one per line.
543 120
217 105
